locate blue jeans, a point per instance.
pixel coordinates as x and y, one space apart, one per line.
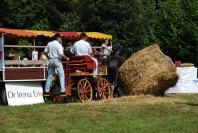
55 64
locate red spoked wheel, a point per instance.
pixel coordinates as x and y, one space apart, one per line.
56 98
85 92
104 89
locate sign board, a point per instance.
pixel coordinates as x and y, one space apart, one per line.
24 93
34 55
187 83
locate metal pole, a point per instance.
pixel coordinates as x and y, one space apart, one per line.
2 58
34 43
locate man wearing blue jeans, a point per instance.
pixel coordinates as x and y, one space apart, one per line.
54 52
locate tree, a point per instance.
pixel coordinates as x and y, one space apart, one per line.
173 24
175 29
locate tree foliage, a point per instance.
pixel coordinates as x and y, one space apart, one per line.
173 24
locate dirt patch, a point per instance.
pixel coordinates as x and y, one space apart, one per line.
135 100
143 99
2 120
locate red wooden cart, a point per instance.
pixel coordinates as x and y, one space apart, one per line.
81 82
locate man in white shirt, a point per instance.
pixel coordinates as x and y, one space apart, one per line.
54 52
82 47
106 49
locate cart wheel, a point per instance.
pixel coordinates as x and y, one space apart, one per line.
104 88
47 99
85 92
70 99
57 99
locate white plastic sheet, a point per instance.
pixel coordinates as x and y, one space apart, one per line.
187 83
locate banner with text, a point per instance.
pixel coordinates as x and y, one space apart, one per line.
24 93
187 83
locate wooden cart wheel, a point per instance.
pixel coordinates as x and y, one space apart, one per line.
48 99
85 92
54 99
104 88
57 99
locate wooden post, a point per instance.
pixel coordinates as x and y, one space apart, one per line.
34 42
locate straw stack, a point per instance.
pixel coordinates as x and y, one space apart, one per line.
148 71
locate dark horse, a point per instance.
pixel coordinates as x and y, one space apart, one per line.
113 64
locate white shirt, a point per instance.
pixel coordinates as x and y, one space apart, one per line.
106 50
81 47
54 49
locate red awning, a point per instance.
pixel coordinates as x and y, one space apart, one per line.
67 35
70 35
17 33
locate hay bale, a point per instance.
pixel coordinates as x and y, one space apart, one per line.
148 71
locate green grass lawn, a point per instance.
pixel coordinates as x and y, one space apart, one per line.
134 114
